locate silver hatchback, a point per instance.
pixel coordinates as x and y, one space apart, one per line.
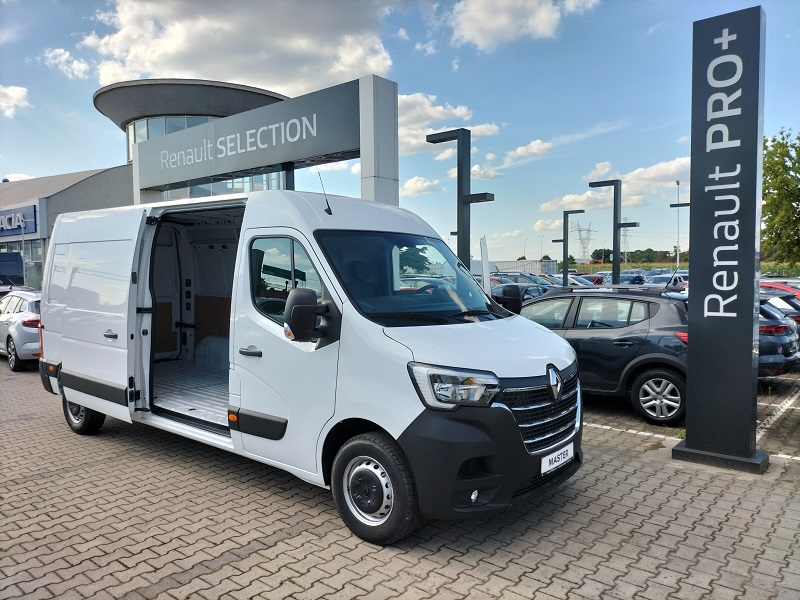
19 327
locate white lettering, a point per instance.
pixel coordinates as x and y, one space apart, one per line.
258 138
721 312
221 147
724 286
716 174
725 101
296 136
720 83
164 159
229 146
731 229
724 142
722 263
308 127
735 209
250 140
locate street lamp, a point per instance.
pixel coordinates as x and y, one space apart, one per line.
524 246
541 248
678 204
618 224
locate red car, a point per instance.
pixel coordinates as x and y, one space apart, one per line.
781 286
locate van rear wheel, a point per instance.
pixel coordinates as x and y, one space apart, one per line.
373 489
82 420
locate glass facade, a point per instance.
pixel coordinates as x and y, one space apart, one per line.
153 127
32 259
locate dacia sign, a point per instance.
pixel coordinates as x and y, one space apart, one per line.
727 121
18 221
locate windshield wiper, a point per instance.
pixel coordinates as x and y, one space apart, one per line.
475 312
408 316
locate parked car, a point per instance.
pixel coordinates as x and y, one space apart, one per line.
521 277
594 278
673 280
777 341
786 302
19 328
657 271
528 291
629 342
631 279
781 286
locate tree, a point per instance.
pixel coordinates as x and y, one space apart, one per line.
546 257
522 258
781 197
413 260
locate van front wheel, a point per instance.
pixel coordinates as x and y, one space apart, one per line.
82 420
373 489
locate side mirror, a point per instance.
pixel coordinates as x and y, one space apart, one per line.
300 316
510 298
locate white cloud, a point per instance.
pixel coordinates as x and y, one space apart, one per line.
446 154
401 34
489 23
427 48
549 225
334 166
356 168
601 169
206 39
417 186
477 172
417 115
62 60
454 66
9 32
491 156
684 139
12 97
654 28
19 176
524 153
638 187
509 234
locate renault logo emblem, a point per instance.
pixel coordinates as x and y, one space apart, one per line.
555 382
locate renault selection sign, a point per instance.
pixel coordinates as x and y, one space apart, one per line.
727 110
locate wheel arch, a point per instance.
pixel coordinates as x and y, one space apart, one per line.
651 361
338 435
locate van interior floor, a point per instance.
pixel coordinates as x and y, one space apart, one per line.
192 391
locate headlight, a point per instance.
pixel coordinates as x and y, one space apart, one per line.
444 388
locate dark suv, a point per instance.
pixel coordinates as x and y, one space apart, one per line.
629 342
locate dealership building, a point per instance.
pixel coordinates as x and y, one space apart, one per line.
170 117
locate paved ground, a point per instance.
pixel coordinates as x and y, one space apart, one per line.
137 513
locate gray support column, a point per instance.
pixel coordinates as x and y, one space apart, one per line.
141 196
288 175
379 140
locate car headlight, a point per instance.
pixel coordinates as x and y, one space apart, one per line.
445 388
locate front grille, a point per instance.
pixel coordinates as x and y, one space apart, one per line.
542 422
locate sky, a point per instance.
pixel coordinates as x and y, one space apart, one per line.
555 93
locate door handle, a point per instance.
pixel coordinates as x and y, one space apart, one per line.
623 343
248 352
110 334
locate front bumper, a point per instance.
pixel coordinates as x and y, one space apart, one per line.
453 454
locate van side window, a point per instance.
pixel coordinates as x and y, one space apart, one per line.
277 266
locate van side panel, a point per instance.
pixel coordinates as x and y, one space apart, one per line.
90 301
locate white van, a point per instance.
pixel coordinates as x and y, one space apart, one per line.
278 326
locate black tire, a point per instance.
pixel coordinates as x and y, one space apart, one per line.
373 489
14 362
659 396
82 420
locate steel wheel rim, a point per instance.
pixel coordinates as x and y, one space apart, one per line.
660 398
75 412
368 491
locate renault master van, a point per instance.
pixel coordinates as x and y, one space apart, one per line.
278 326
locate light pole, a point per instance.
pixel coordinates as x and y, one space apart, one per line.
541 248
524 246
22 233
678 204
565 242
618 223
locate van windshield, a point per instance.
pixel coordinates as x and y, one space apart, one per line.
402 280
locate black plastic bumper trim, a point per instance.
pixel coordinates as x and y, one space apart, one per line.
48 369
94 387
259 424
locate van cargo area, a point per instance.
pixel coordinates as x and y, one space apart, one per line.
191 281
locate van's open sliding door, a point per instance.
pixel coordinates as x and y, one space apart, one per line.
99 324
